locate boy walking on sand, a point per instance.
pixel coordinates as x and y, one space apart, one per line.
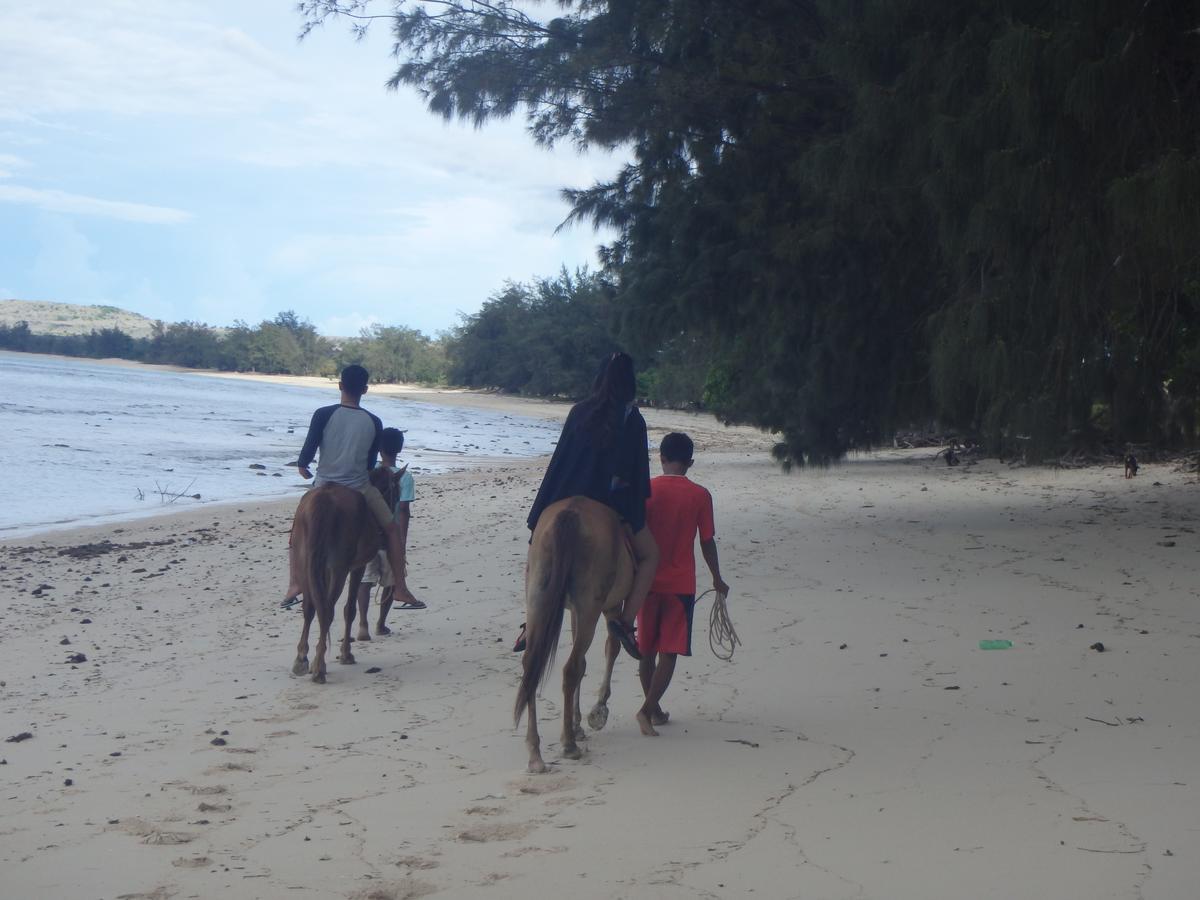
391 583
678 510
347 437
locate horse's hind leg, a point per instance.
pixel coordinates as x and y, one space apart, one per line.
598 717
346 657
572 676
533 740
325 619
300 666
318 666
577 715
364 605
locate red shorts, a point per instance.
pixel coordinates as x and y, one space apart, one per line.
664 624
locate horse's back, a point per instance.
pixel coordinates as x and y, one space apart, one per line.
600 553
331 516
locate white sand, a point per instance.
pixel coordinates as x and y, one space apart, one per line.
909 764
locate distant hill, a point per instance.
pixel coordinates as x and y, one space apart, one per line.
70 318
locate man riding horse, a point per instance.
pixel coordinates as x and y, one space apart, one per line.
348 439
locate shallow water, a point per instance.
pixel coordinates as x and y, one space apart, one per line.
83 442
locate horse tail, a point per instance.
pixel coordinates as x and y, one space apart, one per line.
546 601
321 535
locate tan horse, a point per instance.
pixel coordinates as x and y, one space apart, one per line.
334 536
579 558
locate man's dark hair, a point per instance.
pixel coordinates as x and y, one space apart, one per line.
391 441
676 447
354 380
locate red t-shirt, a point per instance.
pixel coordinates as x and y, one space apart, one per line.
678 508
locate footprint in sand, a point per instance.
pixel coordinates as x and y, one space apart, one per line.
208 790
228 767
417 862
191 862
544 785
485 834
526 851
168 837
152 834
404 889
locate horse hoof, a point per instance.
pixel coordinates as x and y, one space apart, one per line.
598 717
319 678
537 767
572 751
362 636
347 659
300 667
580 734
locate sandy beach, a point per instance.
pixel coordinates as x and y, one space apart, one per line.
859 745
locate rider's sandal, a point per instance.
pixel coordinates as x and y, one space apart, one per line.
519 646
627 636
289 602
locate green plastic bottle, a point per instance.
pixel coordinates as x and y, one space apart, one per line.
995 644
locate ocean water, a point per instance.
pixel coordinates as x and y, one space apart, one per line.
82 442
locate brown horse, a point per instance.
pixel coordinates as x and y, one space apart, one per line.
581 558
334 536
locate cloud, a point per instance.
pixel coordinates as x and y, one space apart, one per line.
62 267
308 184
348 324
9 162
63 202
131 59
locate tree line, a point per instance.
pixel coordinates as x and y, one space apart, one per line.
285 345
870 213
542 338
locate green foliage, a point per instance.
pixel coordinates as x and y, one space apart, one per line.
188 344
875 211
396 354
103 344
544 338
286 345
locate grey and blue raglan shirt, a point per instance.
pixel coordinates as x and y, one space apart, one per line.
348 438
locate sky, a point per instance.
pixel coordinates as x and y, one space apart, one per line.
192 160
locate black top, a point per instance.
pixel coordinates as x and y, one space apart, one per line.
618 476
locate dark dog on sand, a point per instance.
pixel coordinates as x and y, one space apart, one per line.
1131 465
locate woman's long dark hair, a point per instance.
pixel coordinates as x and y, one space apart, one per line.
614 387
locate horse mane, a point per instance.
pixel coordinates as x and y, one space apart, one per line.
387 483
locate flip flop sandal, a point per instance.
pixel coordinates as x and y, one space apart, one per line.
289 602
409 604
519 646
627 637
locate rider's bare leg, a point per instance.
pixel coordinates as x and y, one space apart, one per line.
395 555
645 553
293 576
386 596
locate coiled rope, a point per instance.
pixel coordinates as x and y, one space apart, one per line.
722 638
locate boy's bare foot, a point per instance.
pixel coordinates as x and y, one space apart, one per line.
382 629
645 724
660 717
